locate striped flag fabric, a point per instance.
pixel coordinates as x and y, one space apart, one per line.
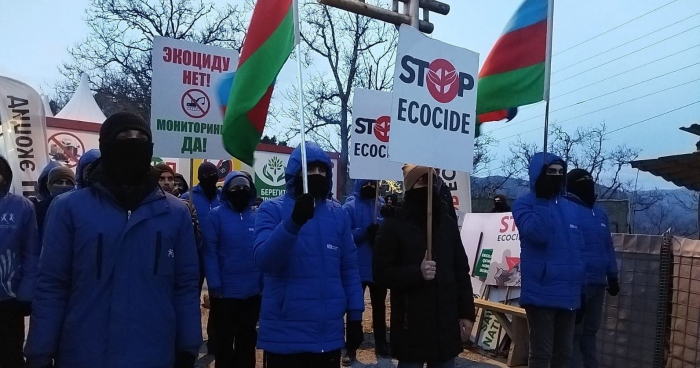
514 72
270 40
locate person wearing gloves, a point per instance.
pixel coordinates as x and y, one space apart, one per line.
363 208
235 282
82 170
304 247
432 302
205 195
551 262
19 256
601 265
118 285
60 180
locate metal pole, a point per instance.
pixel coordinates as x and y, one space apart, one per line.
429 228
413 13
304 165
191 180
548 69
546 125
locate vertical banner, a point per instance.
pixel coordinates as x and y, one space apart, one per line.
369 150
190 88
24 134
434 103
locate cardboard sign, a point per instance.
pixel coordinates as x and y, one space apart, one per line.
492 243
369 149
189 93
434 103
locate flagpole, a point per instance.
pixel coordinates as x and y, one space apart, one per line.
297 38
548 69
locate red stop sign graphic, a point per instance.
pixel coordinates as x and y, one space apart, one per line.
381 128
442 80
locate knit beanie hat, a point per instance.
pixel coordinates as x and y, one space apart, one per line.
412 173
120 122
206 169
239 181
61 172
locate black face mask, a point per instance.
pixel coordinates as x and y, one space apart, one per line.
585 190
127 161
208 185
318 186
239 199
417 200
368 192
555 182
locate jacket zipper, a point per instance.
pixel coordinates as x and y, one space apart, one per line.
128 214
98 260
156 262
323 284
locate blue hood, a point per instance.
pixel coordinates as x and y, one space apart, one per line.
358 186
88 158
232 175
538 160
42 184
314 154
7 180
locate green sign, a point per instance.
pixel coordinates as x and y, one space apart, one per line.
484 263
269 178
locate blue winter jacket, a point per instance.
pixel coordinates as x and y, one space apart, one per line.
116 289
202 204
228 248
362 212
85 160
552 267
598 250
311 274
19 243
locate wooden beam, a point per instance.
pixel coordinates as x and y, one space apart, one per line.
500 307
378 13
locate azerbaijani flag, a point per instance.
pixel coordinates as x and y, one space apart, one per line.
514 72
267 46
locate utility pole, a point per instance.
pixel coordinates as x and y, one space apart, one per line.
410 14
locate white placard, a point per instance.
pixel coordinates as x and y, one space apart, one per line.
434 103
190 88
369 147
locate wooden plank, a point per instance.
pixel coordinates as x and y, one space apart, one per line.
500 307
504 321
519 349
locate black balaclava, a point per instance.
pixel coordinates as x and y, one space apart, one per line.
318 184
500 204
556 182
417 202
368 190
580 183
208 176
127 162
240 198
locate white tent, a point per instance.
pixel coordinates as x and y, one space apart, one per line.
47 105
82 105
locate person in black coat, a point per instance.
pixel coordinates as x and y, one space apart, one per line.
432 304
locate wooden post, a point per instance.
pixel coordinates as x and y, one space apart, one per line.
191 184
429 228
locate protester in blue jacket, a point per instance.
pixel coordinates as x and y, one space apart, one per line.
60 180
304 246
117 284
19 255
83 166
363 208
42 183
205 195
551 262
235 282
601 265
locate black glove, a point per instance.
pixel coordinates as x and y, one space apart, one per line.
24 308
303 209
387 211
581 312
546 187
613 287
372 233
184 359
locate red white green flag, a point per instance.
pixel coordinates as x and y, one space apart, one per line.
267 46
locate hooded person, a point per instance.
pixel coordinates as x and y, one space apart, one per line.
235 282
601 264
180 185
205 195
363 208
551 262
432 302
121 287
60 180
305 249
42 188
83 167
500 204
19 253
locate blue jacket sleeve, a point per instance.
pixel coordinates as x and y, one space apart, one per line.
532 218
350 274
610 249
186 288
274 239
358 233
31 250
211 258
53 285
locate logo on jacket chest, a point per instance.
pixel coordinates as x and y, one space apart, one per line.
171 253
603 225
7 218
331 246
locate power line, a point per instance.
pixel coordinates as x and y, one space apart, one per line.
616 27
628 54
626 43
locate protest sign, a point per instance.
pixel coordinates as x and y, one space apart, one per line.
492 243
433 103
190 87
369 157
460 188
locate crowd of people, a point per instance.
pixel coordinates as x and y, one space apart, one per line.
110 265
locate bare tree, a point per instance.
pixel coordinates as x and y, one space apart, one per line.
117 52
352 51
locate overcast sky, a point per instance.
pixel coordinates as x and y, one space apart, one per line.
37 33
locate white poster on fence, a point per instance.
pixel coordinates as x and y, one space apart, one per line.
369 158
190 87
434 103
24 134
460 187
